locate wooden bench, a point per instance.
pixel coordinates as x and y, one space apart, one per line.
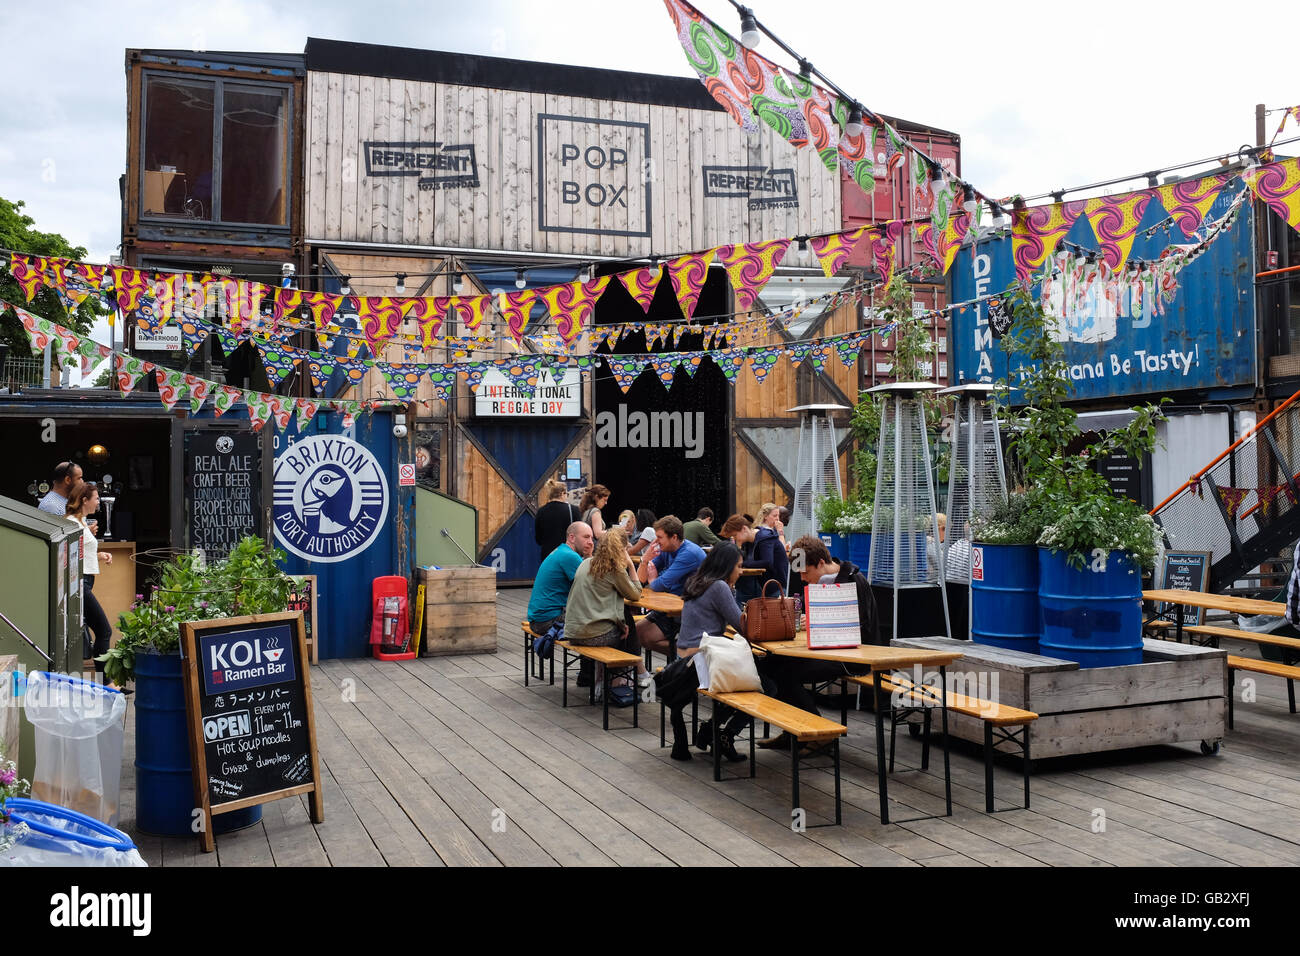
997 718
799 724
1213 633
530 655
1289 672
614 662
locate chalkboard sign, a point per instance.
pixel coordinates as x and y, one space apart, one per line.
249 711
303 598
1187 571
223 489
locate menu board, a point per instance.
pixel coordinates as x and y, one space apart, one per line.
249 712
303 598
832 611
223 489
1187 571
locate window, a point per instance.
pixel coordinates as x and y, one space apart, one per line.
215 151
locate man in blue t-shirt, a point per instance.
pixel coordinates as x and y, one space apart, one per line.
555 577
665 566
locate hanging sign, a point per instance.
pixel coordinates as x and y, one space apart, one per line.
223 489
249 712
498 397
165 339
331 498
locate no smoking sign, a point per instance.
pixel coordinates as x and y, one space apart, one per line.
405 474
977 564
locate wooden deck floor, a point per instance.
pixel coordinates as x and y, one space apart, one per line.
453 762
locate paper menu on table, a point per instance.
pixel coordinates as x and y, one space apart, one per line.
832 613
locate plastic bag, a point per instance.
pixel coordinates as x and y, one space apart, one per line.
80 726
729 664
46 835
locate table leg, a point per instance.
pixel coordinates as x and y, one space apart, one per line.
715 711
794 774
880 748
1178 627
837 781
636 695
947 770
564 693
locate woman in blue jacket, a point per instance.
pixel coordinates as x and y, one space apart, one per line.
769 549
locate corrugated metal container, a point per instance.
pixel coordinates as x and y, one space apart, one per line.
1205 338
340 514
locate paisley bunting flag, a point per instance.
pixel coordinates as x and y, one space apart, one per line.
1278 185
834 250
1115 222
381 317
884 245
223 397
39 330
354 367
322 369
130 287
749 266
761 361
404 380
470 309
169 386
797 352
472 373
665 367
259 408
923 235
516 308
691 362
571 304
1188 202
28 272
82 280
350 412
306 412
857 153
625 369
710 51
1036 232
282 409
128 370
819 354
642 283
687 274
240 301
199 390
816 104
277 363
848 350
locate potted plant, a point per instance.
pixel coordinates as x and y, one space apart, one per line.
1004 583
854 523
1093 545
148 654
828 509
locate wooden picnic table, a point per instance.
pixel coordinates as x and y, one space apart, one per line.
879 661
657 601
1181 600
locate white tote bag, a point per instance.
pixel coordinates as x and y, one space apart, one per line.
729 665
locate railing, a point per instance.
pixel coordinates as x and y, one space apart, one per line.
22 371
1244 506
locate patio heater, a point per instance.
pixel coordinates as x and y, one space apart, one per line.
817 468
905 514
976 476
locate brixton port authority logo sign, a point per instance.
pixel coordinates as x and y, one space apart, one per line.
331 498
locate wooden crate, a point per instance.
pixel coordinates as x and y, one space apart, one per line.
1176 695
460 611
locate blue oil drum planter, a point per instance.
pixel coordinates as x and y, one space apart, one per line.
1004 610
859 550
836 542
1092 615
164 782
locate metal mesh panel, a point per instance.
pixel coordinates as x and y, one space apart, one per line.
903 526
817 472
976 480
1247 502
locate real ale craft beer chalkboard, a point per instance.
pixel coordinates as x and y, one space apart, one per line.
249 712
1187 571
223 489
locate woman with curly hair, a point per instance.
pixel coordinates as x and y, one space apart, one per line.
594 615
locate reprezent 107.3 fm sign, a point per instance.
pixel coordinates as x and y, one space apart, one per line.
331 498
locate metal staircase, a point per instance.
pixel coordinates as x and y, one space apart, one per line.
1244 506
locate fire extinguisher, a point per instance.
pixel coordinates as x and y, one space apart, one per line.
392 621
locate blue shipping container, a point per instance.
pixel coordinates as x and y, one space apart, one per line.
1205 339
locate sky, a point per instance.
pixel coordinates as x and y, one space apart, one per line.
1043 95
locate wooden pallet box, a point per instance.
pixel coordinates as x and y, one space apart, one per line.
1176 695
9 712
460 611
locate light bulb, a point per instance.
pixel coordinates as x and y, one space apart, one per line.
802 252
520 281
970 204
401 284
345 285
458 283
853 128
749 35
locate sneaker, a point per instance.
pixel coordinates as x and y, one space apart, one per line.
600 693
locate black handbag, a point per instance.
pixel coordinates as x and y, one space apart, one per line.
676 684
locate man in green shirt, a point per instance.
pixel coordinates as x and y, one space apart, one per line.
697 531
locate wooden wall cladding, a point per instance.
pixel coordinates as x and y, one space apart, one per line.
485 489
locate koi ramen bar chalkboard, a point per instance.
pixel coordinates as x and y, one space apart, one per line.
249 712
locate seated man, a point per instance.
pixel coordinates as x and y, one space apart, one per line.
791 673
555 577
698 531
665 566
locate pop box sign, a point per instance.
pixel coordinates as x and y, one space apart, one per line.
1203 340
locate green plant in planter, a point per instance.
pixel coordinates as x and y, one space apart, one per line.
1071 502
187 589
828 509
855 518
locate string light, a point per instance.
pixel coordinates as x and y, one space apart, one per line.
345 285
400 288
749 35
458 283
520 281
853 128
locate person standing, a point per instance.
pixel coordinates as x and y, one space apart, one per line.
551 525
595 498
83 501
769 549
66 475
665 566
698 531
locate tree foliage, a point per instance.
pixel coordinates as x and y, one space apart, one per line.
17 233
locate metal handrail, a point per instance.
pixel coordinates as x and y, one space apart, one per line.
29 641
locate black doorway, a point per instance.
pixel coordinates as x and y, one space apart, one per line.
689 423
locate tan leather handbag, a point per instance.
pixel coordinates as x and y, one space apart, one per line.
768 618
